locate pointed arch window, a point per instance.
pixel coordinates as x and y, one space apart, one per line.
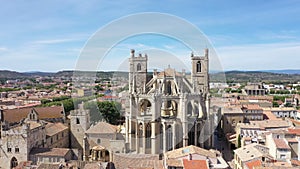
140 134
198 66
138 67
148 136
169 88
169 138
161 141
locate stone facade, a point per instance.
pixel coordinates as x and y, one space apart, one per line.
79 124
18 139
170 109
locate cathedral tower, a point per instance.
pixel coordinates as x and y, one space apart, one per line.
137 72
79 123
200 73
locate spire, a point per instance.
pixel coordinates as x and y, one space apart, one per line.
206 52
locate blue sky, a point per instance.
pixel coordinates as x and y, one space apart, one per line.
247 35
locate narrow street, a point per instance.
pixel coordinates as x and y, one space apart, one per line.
222 145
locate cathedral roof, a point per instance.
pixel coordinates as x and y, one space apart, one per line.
169 72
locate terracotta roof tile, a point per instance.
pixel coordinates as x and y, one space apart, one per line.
280 143
195 164
54 128
252 107
292 140
60 152
295 162
16 115
47 166
174 162
282 164
253 164
33 124
294 131
125 161
102 127
270 115
184 151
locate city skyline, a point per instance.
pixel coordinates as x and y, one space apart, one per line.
48 35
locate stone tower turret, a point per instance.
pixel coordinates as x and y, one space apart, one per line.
79 123
137 72
200 78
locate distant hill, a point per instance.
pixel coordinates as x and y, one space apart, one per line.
36 73
11 74
66 73
269 76
256 76
285 71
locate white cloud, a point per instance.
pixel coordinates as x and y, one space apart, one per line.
260 56
3 49
52 41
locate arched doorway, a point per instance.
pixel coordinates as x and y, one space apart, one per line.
13 163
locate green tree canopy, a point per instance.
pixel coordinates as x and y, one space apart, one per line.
110 111
106 110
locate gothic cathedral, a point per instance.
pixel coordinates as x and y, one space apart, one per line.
170 109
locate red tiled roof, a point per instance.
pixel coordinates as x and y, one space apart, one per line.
16 115
270 115
295 162
54 128
294 131
102 127
292 140
184 151
137 161
295 122
280 143
195 164
56 152
253 164
252 107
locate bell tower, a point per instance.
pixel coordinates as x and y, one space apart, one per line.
200 79
137 72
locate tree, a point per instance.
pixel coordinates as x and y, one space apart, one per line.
45 101
288 105
110 111
275 104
